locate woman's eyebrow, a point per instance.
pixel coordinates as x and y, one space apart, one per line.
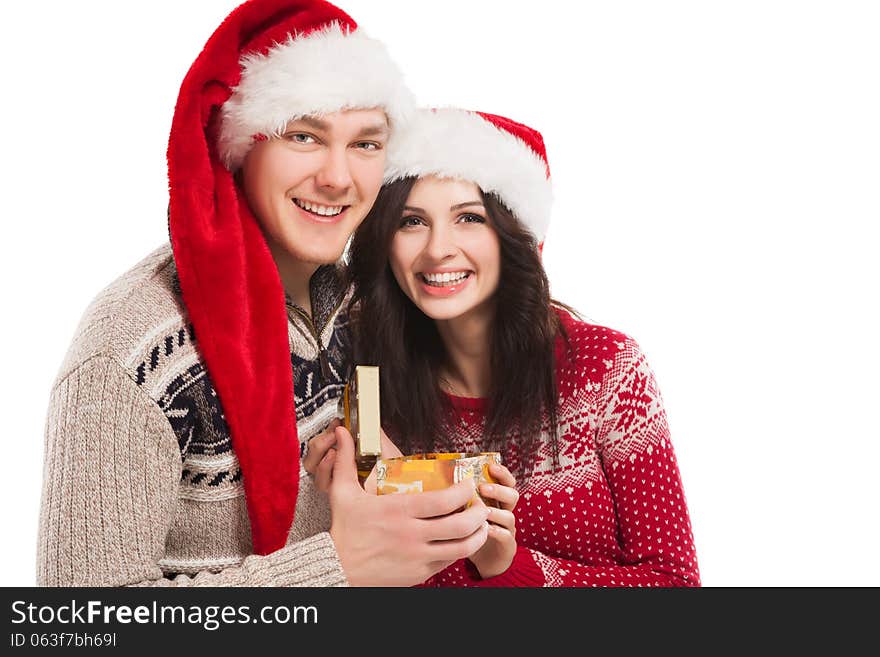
466 204
458 206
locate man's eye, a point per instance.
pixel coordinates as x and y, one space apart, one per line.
368 145
300 138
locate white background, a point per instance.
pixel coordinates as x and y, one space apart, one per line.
716 169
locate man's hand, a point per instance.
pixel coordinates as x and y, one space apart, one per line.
398 540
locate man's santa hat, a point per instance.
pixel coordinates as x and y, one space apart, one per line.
501 156
269 62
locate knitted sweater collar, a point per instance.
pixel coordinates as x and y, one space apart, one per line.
327 291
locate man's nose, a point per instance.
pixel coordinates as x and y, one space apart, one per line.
335 172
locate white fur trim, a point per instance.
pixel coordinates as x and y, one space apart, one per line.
453 143
327 71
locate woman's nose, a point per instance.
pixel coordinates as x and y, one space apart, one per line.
441 243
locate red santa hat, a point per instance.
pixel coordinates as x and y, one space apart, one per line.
269 62
501 156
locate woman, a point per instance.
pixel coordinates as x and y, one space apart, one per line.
452 302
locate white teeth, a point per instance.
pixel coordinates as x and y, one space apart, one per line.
447 277
323 210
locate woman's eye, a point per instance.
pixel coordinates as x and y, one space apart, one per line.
409 222
472 219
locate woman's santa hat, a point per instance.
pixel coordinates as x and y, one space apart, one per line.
269 62
501 156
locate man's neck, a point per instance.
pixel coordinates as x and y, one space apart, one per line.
295 276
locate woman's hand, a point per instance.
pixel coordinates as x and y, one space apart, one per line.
321 454
498 551
318 460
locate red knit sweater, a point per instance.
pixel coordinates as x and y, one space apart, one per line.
614 513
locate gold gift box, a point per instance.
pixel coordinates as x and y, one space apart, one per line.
359 408
434 471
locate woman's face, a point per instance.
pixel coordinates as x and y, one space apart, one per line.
445 255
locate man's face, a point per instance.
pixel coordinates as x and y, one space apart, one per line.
311 187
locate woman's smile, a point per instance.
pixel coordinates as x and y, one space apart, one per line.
444 284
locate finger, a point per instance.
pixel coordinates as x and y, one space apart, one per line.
440 502
324 473
345 477
501 518
500 534
318 447
505 495
456 525
502 475
460 548
331 426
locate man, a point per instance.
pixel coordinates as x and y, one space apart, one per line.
194 382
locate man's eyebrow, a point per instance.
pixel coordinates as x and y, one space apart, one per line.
378 130
314 122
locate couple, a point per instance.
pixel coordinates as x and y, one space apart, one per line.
190 436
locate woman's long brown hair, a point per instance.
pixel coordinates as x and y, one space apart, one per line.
391 332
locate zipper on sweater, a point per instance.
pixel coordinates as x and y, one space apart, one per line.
316 334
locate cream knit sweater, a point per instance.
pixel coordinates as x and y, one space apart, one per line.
140 482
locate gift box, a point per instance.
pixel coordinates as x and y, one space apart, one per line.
359 409
434 471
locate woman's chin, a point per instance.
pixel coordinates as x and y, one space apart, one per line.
443 310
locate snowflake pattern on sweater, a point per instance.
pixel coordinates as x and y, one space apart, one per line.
614 512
